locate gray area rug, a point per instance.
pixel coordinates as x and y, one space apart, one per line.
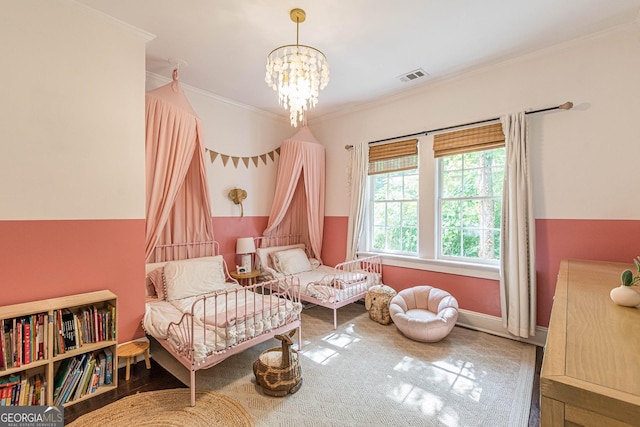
365 374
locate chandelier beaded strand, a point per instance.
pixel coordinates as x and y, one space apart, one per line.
298 73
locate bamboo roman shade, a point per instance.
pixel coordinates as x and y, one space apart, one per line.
393 157
468 140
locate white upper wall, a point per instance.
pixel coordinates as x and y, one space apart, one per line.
72 108
584 161
239 131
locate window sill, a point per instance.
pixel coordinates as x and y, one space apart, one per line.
491 272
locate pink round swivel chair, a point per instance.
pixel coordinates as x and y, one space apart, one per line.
424 313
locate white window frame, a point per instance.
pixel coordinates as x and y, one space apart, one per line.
438 227
427 237
370 212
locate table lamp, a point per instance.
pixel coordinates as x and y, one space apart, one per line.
245 247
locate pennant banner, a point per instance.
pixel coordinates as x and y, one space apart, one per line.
246 161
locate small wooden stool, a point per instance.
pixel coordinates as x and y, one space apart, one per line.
132 350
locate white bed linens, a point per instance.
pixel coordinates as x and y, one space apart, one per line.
330 285
231 317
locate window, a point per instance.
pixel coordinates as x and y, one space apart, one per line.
470 204
394 204
393 211
446 207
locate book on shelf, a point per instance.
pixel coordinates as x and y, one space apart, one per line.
71 380
69 330
9 380
61 376
3 358
17 339
108 374
25 325
33 347
87 325
102 364
41 339
112 308
80 340
20 389
8 348
95 378
76 332
87 372
59 338
38 396
24 390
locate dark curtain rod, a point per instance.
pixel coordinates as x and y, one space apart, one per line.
566 106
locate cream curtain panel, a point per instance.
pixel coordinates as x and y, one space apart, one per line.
177 194
517 261
358 184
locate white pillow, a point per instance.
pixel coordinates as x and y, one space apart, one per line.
189 278
156 290
265 255
291 261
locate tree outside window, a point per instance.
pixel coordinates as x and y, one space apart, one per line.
470 204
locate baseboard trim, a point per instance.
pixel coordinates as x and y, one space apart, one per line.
493 325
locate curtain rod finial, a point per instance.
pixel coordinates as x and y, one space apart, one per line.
566 106
348 147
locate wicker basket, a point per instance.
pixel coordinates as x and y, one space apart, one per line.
275 379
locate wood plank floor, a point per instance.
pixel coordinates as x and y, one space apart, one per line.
156 378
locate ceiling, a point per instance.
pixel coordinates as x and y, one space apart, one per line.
368 43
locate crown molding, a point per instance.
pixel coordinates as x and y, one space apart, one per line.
94 13
164 80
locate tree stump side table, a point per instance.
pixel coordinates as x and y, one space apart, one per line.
132 350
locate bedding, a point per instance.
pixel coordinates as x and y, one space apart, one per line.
331 287
327 284
219 319
202 316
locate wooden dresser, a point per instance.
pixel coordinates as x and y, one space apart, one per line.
591 368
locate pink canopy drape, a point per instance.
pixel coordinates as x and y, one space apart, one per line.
178 207
298 204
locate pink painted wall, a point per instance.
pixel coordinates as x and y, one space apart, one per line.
556 239
47 259
227 229
334 241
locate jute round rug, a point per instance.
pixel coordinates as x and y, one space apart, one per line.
169 408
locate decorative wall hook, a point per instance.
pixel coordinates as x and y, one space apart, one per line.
237 195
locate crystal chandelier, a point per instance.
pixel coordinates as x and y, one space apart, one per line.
298 73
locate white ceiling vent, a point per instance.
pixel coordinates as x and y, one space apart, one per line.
413 75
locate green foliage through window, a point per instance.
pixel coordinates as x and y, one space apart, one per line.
394 224
470 204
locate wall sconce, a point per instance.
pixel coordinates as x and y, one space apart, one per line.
238 195
245 247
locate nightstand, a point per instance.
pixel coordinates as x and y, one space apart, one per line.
246 279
